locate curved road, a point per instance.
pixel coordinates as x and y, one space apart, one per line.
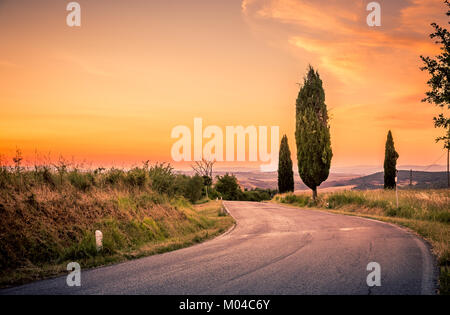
273 249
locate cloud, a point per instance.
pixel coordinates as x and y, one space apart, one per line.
421 13
336 33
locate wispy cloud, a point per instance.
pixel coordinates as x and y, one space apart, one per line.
371 75
338 36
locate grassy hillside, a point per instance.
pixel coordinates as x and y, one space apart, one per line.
427 212
49 216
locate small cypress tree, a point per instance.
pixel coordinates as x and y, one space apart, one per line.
285 172
312 133
390 163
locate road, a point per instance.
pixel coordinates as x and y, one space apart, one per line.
273 249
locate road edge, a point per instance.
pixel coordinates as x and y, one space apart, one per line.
126 260
231 228
430 279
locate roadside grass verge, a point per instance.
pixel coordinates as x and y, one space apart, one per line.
427 212
49 213
40 238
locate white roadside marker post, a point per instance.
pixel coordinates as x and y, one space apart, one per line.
99 240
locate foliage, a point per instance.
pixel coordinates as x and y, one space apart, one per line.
285 172
227 185
49 214
390 163
439 83
228 188
162 178
312 132
189 187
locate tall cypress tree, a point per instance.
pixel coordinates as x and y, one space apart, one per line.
285 172
312 132
390 163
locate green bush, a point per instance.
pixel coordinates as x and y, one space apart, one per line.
227 185
81 181
257 194
114 176
194 189
299 200
443 217
162 178
137 177
213 193
85 248
191 188
340 199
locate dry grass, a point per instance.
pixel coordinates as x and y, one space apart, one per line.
50 212
45 226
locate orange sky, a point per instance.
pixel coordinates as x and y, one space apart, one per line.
111 91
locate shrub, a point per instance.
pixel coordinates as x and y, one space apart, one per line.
227 185
137 177
162 178
257 194
81 181
339 199
300 200
114 176
213 193
194 189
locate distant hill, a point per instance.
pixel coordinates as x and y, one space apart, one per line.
419 180
269 180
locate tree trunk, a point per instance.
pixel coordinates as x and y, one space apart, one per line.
315 194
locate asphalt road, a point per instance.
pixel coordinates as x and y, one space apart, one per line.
273 249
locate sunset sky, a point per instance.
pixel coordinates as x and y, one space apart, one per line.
110 91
